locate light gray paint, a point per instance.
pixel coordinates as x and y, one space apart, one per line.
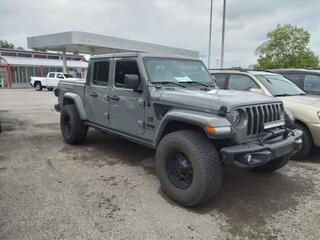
134 114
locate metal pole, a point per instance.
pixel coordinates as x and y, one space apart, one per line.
64 60
210 32
223 33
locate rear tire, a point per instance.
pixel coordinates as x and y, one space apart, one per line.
176 154
72 128
273 165
307 142
38 86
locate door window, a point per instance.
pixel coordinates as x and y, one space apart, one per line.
312 83
51 75
59 76
123 68
100 73
241 82
295 78
221 80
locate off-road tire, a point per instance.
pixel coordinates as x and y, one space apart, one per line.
273 165
76 132
307 142
206 164
38 86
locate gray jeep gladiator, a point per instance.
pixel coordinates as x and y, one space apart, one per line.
172 104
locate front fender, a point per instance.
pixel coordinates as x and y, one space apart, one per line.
200 119
78 102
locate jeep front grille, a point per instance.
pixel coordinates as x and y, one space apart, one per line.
260 114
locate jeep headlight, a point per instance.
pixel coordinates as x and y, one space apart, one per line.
239 118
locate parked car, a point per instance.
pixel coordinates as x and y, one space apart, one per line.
308 80
306 108
49 82
171 104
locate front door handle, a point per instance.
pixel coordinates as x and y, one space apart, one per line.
93 94
115 98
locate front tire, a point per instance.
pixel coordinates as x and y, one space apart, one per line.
38 86
273 165
72 128
189 167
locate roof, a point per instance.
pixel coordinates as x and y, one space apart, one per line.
90 43
142 54
25 61
295 70
236 71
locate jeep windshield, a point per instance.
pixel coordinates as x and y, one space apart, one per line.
279 86
179 72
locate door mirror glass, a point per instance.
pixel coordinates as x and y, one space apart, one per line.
256 90
131 81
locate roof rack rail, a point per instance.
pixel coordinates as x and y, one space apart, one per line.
240 69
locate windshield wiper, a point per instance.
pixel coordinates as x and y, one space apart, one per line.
287 95
283 95
169 82
199 83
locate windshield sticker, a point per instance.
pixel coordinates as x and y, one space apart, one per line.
183 79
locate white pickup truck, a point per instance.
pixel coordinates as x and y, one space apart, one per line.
51 81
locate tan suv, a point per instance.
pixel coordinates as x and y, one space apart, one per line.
306 108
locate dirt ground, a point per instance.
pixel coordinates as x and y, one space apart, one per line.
107 189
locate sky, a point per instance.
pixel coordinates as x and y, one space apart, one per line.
176 23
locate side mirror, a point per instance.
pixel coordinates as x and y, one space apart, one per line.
131 81
256 90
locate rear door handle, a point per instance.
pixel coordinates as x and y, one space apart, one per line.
93 94
115 98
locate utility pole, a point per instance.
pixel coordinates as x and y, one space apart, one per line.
223 33
210 32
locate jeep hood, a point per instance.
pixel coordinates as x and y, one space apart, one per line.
214 98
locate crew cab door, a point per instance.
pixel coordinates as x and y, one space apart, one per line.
96 92
126 105
51 79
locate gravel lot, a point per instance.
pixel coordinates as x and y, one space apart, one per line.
107 189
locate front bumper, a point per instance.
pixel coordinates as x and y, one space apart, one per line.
257 153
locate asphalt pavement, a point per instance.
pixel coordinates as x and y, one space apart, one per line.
107 188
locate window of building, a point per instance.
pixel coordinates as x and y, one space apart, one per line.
241 82
24 55
100 73
30 73
53 57
45 71
37 71
22 74
9 54
123 68
39 56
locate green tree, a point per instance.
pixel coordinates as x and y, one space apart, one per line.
5 44
286 47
